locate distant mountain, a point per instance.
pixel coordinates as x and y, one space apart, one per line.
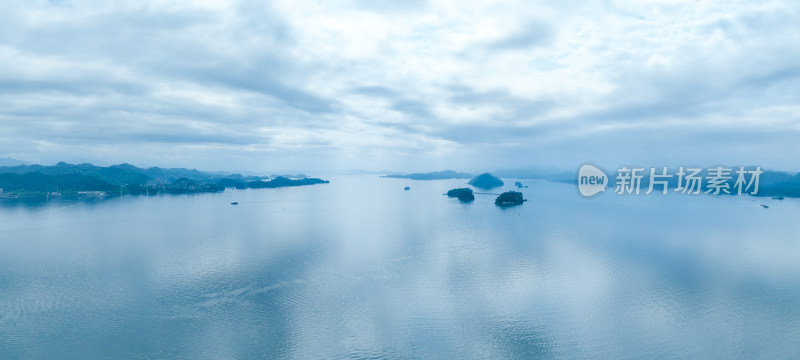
437 175
122 174
771 183
117 175
12 162
774 183
536 173
37 182
282 181
162 175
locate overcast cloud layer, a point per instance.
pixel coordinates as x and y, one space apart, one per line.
407 85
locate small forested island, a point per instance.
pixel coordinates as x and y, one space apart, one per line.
509 198
463 194
282 181
437 175
486 181
86 180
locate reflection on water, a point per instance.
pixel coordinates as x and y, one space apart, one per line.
360 268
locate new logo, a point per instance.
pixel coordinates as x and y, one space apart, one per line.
591 180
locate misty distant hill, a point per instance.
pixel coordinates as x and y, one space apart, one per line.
516 173
536 173
12 162
771 183
436 175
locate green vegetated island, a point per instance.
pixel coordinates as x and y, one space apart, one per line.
87 180
483 181
463 194
488 181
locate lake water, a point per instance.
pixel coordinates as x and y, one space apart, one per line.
360 268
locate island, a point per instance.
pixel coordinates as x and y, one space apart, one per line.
282 181
509 198
436 175
486 181
463 194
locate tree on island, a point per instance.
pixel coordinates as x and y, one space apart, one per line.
463 194
509 198
189 186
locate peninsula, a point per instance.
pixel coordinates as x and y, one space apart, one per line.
83 180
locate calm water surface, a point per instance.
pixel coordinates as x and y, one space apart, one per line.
359 268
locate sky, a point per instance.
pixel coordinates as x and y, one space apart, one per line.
415 85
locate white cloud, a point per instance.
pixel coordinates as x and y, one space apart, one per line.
294 84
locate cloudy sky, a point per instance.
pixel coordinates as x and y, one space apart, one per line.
408 85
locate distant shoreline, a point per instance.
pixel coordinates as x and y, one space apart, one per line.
88 181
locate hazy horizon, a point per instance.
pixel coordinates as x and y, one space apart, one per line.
412 87
520 170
